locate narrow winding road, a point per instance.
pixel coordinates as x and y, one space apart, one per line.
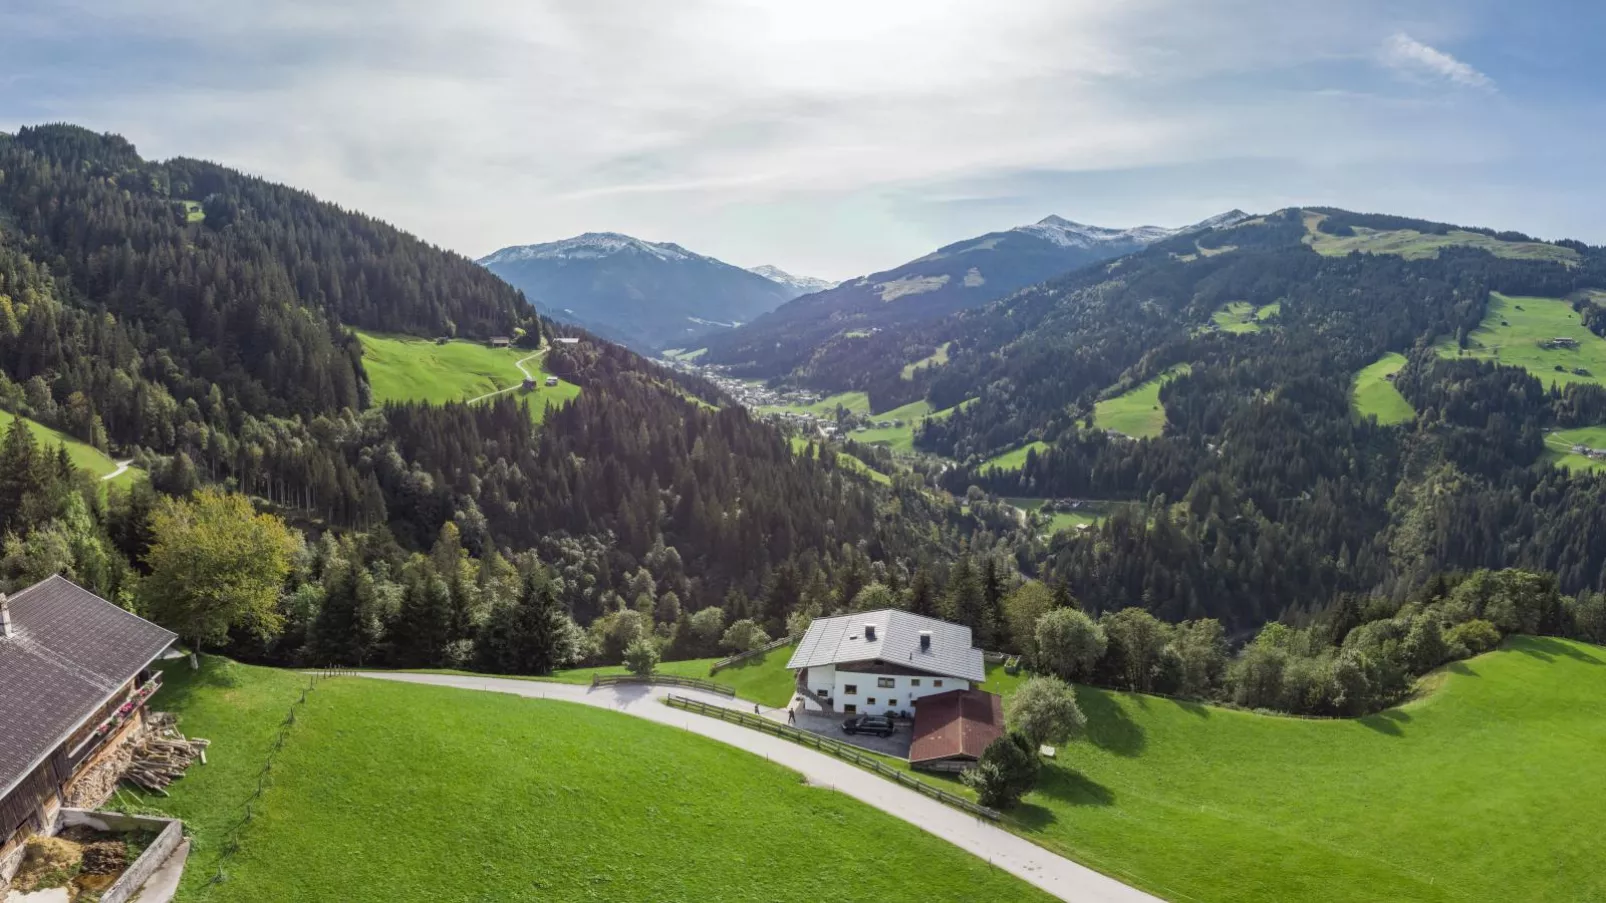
122 468
522 369
1055 874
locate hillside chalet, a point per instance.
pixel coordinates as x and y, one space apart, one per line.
882 662
74 681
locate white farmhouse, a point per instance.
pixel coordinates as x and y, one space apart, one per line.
880 662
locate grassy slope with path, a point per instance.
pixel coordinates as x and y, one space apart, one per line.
408 368
1559 448
1511 332
401 793
855 402
1373 393
1091 513
82 453
1482 790
1137 412
901 439
1241 317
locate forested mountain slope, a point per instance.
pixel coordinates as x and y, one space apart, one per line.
1265 492
649 295
846 320
202 321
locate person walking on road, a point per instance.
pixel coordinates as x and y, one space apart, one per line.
791 716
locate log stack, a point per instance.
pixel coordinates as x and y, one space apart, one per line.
163 755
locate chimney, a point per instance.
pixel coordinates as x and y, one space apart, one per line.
5 618
925 641
869 633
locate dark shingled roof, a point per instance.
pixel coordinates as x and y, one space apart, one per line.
71 650
959 723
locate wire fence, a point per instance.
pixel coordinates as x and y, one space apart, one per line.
232 837
844 751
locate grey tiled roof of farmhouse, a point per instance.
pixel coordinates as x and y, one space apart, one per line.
842 639
70 652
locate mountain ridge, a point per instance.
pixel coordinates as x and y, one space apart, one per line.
958 276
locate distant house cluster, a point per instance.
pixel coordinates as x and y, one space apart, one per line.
1560 341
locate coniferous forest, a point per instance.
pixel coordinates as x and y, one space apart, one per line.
202 322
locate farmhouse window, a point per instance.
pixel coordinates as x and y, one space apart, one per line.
936 683
914 681
886 683
870 701
849 708
850 689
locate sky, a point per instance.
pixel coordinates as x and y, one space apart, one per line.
834 138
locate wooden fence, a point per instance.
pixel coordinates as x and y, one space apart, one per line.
836 748
598 680
743 656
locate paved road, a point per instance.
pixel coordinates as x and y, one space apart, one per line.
522 369
1055 874
122 468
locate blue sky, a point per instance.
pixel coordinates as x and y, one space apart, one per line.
838 137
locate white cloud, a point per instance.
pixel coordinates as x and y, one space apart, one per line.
1407 54
796 132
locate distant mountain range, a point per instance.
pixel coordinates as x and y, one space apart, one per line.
650 295
804 285
962 275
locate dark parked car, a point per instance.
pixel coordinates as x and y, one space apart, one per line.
868 724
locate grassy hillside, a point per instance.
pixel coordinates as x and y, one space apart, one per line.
1241 317
1412 244
82 454
901 439
936 359
1559 448
1138 412
762 679
408 368
1484 790
1514 327
1015 458
856 402
1374 395
400 793
845 461
1090 514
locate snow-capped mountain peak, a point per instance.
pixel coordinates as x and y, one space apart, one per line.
590 246
1069 234
802 284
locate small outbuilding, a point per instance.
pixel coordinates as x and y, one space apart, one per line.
953 729
500 341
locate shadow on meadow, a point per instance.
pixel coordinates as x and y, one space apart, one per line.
1387 722
1109 727
1547 649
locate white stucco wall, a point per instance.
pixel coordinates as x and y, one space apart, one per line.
897 698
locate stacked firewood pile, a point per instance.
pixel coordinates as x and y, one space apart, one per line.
163 755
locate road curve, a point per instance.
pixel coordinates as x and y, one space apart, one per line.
1055 874
522 369
122 468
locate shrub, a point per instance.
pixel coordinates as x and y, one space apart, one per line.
744 636
1006 772
1044 710
1477 636
641 658
1069 643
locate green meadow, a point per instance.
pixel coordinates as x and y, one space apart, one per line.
82 454
1373 393
404 793
1137 412
1483 789
1241 317
935 359
1015 458
901 439
854 402
844 460
1513 332
1089 514
408 368
1559 448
